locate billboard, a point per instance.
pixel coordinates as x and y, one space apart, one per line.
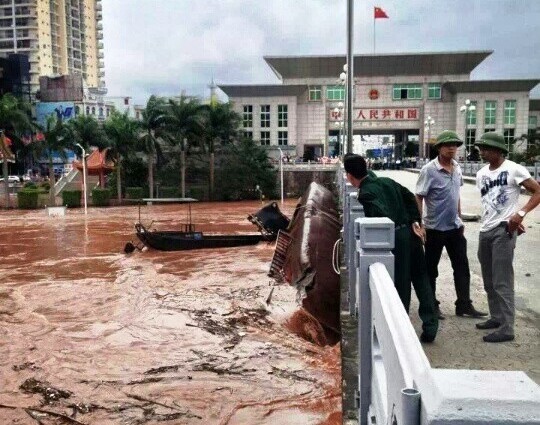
61 110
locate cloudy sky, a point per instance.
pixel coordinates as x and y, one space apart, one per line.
166 46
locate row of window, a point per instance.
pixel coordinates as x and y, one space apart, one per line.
92 111
490 113
533 121
283 137
283 116
508 133
399 92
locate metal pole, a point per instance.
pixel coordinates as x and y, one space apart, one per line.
428 141
84 178
410 403
281 173
465 133
350 74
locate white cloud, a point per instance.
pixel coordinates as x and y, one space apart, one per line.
163 46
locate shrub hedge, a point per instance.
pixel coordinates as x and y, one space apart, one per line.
169 192
71 198
134 192
28 199
101 197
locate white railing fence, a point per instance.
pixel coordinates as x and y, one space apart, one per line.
396 384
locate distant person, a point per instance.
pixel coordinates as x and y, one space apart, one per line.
439 188
499 184
383 197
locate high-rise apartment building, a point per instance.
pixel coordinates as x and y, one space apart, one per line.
61 37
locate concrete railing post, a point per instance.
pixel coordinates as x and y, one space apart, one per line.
356 210
374 244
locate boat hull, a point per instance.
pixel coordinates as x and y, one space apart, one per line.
183 241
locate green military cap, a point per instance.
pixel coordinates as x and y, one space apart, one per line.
492 140
448 137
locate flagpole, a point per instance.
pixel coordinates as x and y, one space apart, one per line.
374 22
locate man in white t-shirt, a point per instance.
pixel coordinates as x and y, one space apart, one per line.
499 184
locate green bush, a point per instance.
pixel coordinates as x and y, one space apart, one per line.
45 186
198 193
169 192
101 197
134 192
28 199
29 185
71 198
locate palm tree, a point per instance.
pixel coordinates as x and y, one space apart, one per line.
183 121
221 125
122 133
87 131
57 137
153 131
14 120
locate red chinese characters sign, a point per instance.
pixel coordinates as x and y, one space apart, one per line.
381 114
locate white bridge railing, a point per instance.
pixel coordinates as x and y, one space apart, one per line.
396 383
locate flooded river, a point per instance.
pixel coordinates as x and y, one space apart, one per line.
100 337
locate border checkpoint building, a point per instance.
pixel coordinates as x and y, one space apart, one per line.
394 94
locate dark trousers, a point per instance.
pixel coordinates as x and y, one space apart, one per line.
456 245
410 267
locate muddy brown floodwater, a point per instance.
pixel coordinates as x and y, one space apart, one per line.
99 337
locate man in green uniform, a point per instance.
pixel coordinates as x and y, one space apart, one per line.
383 197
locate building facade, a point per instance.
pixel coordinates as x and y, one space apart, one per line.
394 94
60 37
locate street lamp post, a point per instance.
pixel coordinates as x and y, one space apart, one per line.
84 177
338 111
281 173
465 109
428 123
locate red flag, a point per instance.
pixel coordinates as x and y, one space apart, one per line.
379 13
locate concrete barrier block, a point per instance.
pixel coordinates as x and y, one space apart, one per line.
375 233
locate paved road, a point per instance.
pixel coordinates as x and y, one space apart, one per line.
459 344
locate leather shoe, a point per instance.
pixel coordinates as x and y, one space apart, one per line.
469 311
488 324
439 314
498 337
427 338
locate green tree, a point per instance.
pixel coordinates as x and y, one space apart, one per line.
87 131
122 133
242 167
221 125
152 135
184 123
14 120
57 137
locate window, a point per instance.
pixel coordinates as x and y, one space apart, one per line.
248 135
407 91
77 110
93 110
247 116
489 130
335 93
108 111
100 111
265 116
508 136
490 112
509 112
471 137
471 115
88 110
283 138
315 93
265 138
434 90
533 121
282 112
